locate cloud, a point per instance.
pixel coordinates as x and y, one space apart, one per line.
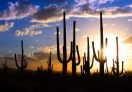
89 8
106 1
93 3
54 1
40 55
82 8
28 31
48 14
129 6
128 40
39 25
118 11
18 10
77 29
7 26
129 20
53 12
47 49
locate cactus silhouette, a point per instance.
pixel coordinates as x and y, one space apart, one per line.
23 64
107 70
49 63
101 58
5 67
115 70
86 61
82 70
63 60
74 50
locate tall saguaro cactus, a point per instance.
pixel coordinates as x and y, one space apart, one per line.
101 57
49 63
74 50
116 69
23 64
86 61
63 60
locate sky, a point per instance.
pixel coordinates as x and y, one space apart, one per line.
35 22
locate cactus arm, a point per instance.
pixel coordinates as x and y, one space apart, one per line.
122 68
58 47
78 56
84 59
106 42
95 56
113 68
81 70
70 57
92 63
107 70
16 62
113 64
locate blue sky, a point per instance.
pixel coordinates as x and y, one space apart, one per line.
35 21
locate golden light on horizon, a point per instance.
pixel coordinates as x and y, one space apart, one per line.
110 52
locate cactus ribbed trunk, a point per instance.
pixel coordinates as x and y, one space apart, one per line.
64 72
117 56
64 47
88 57
49 63
101 47
74 51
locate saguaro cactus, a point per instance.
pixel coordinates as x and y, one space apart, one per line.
86 63
116 69
23 62
101 57
49 63
74 49
63 60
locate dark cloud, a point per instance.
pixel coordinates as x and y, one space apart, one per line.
18 10
48 14
128 40
86 9
115 11
53 12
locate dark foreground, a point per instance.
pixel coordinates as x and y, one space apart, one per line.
43 82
